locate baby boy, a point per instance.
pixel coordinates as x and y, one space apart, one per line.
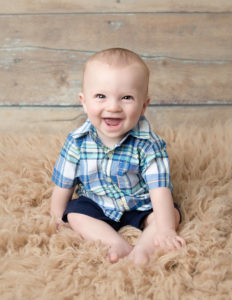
117 164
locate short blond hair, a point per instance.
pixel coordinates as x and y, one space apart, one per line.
119 57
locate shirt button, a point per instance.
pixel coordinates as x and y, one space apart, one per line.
108 179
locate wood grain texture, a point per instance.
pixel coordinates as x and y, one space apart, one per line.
40 77
70 6
181 36
62 120
52 77
42 55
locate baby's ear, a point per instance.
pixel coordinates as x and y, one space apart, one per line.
81 97
146 102
82 100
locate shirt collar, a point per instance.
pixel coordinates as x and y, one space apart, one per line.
142 129
83 130
88 128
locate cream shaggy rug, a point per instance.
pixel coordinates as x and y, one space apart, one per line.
37 262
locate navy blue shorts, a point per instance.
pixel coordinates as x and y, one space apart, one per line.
86 206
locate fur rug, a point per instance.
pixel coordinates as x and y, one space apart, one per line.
36 262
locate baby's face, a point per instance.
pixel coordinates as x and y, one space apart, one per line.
114 98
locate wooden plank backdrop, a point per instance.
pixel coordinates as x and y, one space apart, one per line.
55 6
186 44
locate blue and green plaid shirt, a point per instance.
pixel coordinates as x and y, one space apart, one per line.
117 179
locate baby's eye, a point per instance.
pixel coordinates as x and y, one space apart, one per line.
127 97
100 96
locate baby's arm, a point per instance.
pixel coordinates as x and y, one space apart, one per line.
166 223
59 201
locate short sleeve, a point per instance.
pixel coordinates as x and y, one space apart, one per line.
156 170
64 173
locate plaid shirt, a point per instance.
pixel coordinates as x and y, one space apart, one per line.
117 179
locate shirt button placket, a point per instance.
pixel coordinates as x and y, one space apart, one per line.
107 167
108 158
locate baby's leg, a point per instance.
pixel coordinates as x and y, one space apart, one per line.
145 246
93 229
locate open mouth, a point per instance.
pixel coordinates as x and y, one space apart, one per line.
112 122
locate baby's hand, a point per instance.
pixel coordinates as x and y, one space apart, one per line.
168 240
59 222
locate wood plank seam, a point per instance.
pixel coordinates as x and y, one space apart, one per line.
156 57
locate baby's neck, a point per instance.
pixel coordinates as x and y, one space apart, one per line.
110 142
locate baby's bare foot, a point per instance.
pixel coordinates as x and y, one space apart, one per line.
139 255
118 251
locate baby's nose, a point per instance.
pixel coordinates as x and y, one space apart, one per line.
114 105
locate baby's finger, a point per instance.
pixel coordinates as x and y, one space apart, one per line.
181 241
59 222
176 244
172 244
